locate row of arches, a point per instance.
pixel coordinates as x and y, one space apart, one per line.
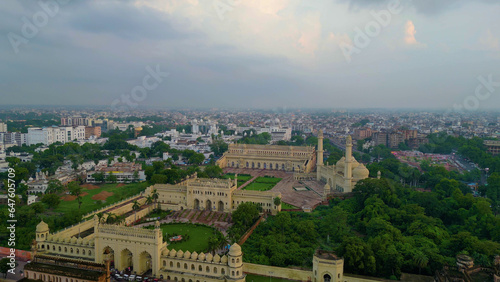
192 267
47 277
65 250
208 205
126 259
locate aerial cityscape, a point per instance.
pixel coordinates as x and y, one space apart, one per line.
279 140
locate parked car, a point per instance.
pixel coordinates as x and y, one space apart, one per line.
138 278
132 277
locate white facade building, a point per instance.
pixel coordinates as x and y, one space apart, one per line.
3 127
49 135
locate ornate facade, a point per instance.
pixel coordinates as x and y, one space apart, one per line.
271 157
142 249
343 176
212 194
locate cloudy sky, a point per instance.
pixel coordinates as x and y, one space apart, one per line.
255 53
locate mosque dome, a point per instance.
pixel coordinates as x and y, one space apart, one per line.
360 172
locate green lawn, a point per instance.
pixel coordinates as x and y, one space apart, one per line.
88 205
259 278
242 178
198 236
262 183
285 206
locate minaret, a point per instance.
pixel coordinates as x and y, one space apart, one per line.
319 157
320 149
348 165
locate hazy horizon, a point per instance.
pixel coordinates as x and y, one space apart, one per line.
251 55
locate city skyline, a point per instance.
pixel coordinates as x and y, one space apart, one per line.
262 54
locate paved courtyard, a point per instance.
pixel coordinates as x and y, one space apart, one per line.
301 199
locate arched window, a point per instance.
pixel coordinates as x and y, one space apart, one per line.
90 253
53 248
232 273
237 260
71 250
83 252
327 278
237 273
178 265
232 260
77 251
66 250
164 263
208 269
192 267
171 264
222 271
200 268
215 270
185 266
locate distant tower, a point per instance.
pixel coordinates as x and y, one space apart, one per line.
379 174
320 149
348 164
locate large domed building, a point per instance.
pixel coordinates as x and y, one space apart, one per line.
343 176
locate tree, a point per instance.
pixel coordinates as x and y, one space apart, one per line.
277 201
135 177
218 146
196 159
51 200
155 195
136 206
4 267
38 208
54 186
111 178
77 191
420 260
149 200
99 177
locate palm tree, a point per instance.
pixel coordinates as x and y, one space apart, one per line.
136 207
100 217
149 200
420 260
155 195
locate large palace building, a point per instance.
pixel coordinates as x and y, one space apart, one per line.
272 157
212 194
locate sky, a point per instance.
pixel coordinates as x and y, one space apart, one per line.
251 53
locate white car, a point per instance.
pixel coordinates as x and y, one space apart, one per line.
132 277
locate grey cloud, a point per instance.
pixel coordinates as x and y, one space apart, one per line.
427 7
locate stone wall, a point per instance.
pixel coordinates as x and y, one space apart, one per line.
278 272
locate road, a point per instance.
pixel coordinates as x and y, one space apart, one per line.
18 275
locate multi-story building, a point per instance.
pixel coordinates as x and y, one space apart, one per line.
362 133
3 127
124 172
49 135
92 131
493 146
16 138
76 121
212 194
272 157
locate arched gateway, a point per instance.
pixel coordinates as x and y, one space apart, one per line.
137 248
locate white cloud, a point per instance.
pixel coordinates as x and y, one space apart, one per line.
410 32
